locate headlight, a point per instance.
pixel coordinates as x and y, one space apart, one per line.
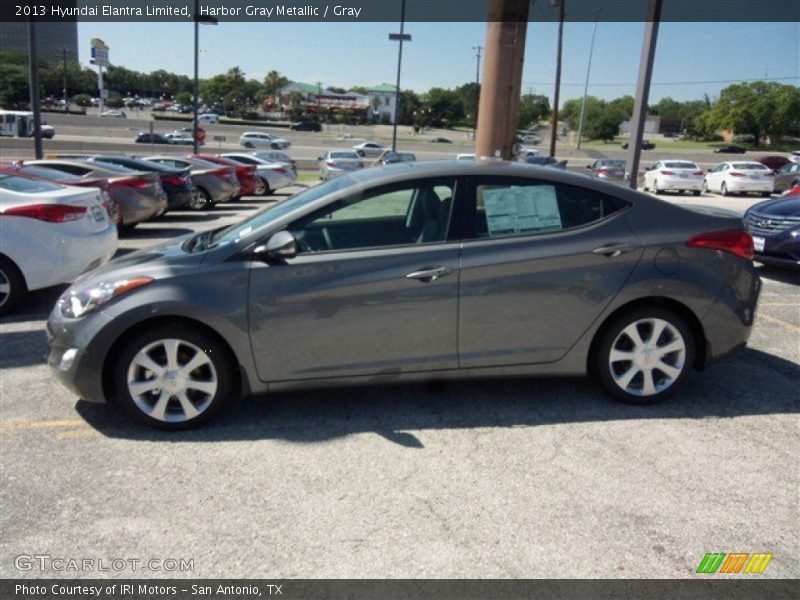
82 300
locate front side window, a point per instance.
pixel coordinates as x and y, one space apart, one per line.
407 214
505 207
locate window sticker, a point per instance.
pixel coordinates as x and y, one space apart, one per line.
523 209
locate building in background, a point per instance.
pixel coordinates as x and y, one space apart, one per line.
53 39
382 99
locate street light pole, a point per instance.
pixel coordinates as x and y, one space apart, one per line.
401 38
586 86
478 50
196 72
34 76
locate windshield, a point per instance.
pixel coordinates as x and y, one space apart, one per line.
234 233
25 185
750 167
619 164
680 165
45 173
345 155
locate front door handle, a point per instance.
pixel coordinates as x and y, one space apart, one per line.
430 274
613 250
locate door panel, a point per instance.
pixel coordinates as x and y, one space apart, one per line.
528 298
354 313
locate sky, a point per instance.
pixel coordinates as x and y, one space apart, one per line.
692 59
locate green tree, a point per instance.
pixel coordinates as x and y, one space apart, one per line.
625 105
184 98
273 82
83 100
532 109
605 126
759 108
14 88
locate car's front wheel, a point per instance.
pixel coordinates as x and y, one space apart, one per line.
201 199
644 356
173 377
723 189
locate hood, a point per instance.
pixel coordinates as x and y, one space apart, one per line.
778 207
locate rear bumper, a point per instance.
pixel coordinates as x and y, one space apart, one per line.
749 186
680 184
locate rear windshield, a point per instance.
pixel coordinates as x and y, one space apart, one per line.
749 167
25 185
680 165
45 173
620 164
348 155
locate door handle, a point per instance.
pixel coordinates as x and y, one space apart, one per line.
614 250
430 274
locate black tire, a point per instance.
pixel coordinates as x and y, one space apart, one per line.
227 386
723 189
696 192
12 286
248 145
361 153
265 191
275 146
656 188
201 200
766 194
126 228
601 364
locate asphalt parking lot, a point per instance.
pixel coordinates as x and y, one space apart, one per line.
506 478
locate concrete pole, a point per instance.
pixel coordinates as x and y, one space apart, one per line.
507 24
643 90
586 86
196 82
557 93
399 66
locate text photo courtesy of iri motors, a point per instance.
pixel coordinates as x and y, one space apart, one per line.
399 299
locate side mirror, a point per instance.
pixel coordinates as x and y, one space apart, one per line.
281 245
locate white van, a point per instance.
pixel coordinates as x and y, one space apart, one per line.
208 118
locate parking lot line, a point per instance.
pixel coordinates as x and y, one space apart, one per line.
778 322
43 424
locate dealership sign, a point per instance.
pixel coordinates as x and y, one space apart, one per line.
99 53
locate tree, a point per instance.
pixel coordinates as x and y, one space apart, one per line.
273 82
625 105
83 100
14 88
759 108
532 109
184 98
605 126
444 107
571 111
411 103
470 94
114 102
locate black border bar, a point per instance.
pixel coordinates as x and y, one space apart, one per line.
264 11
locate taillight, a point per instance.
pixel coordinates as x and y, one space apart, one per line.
330 163
281 170
361 165
603 170
221 173
736 241
138 183
698 173
173 179
667 172
52 213
734 174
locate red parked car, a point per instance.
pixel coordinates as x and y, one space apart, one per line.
774 162
34 172
249 182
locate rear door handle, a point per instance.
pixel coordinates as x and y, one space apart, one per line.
614 250
430 274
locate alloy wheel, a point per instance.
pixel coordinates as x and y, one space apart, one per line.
5 287
647 357
172 380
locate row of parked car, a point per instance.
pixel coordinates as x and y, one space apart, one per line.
76 206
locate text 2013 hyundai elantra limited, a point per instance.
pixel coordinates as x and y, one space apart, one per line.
413 272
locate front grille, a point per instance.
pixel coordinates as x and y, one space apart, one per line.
764 225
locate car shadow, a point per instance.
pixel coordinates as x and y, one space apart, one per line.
36 306
753 383
182 217
779 275
155 232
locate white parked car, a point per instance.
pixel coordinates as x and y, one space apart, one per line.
51 234
674 176
465 157
339 162
181 138
208 118
368 149
735 177
114 114
273 174
257 139
526 153
795 156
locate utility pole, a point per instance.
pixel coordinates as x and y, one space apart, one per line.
557 93
586 86
33 67
64 66
506 28
478 50
205 20
401 37
643 90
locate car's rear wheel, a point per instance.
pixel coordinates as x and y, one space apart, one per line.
201 199
263 187
12 286
656 189
696 192
173 377
644 356
248 145
766 194
723 189
705 186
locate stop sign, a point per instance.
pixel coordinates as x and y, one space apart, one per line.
201 134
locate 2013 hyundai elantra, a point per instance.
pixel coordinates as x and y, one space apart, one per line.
418 271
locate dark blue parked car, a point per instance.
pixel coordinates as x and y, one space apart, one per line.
775 227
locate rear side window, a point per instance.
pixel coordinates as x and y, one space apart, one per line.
505 207
25 185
